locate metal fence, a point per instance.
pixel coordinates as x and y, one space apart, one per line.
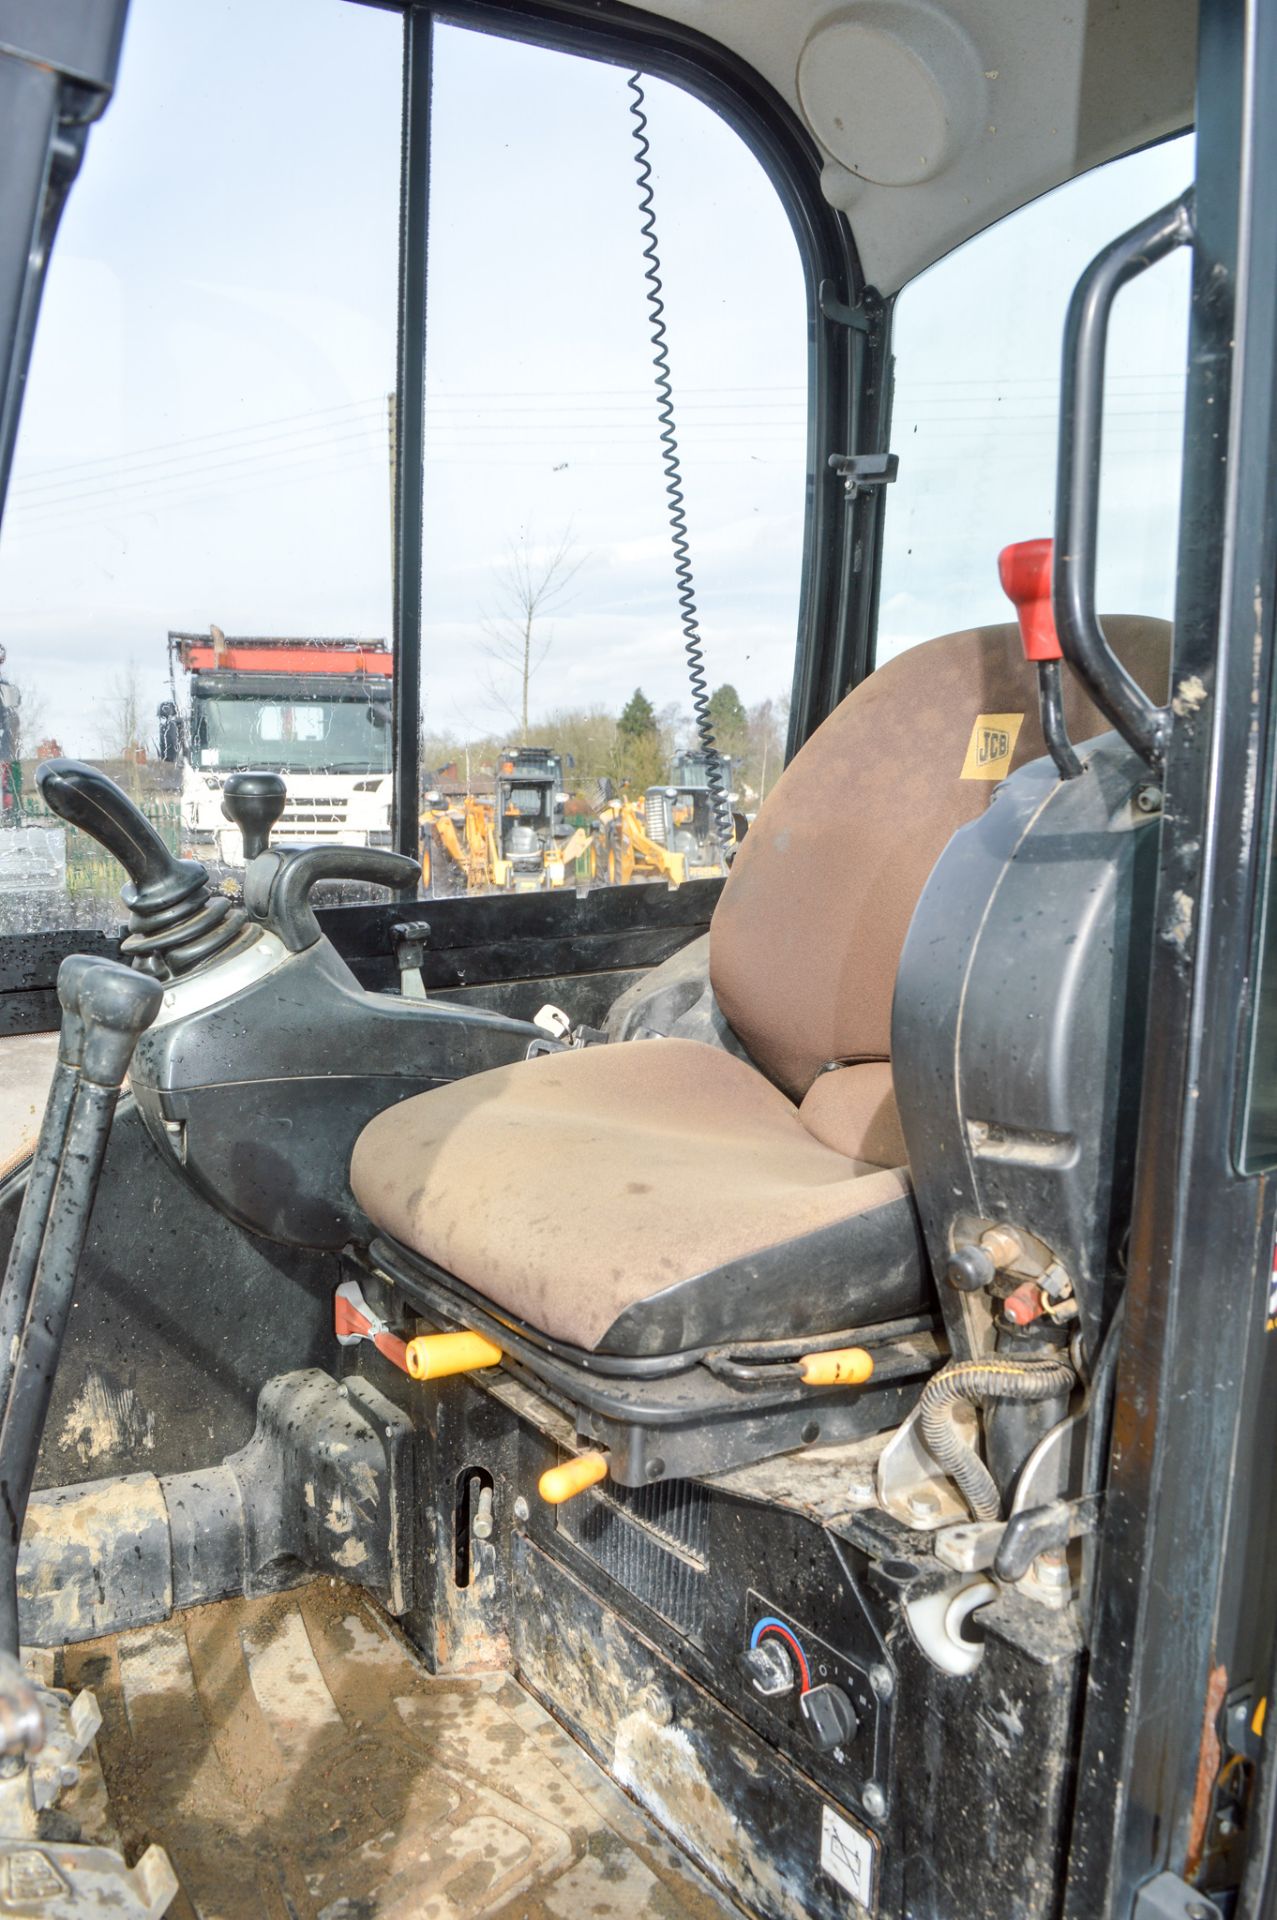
90 871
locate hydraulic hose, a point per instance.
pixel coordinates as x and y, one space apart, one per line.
976 1381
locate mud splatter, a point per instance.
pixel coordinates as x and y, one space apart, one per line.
107 1417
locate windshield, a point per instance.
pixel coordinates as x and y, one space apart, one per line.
529 802
301 736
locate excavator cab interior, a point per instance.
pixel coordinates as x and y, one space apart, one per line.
745 1397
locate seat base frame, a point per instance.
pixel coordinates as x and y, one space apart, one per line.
688 1419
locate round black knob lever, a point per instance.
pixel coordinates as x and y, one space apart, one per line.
829 1717
969 1268
254 802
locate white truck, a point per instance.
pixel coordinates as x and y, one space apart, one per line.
315 710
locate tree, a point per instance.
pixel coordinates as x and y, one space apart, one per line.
122 732
639 717
587 739
764 754
730 721
642 754
22 717
529 585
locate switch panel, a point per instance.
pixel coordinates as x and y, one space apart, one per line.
834 1710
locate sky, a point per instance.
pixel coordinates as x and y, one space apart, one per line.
205 433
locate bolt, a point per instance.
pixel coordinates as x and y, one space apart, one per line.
1003 1246
481 1526
862 1491
1198 1910
1149 800
882 1681
874 1800
924 1506
521 1510
1052 1570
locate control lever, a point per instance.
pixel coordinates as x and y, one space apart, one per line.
176 922
106 1007
254 802
277 886
1025 572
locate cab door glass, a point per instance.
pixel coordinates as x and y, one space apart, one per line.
975 420
195 561
559 745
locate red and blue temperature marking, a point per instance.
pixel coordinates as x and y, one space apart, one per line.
770 1624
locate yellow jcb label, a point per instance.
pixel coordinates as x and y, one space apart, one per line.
992 743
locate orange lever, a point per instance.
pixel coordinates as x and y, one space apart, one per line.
1025 572
564 1482
433 1356
839 1367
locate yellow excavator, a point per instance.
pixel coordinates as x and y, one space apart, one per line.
510 844
627 849
664 834
524 851
455 847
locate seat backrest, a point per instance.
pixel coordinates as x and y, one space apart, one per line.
807 935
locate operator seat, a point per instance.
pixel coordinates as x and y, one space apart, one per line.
646 1199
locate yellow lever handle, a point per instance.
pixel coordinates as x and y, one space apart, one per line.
840 1367
433 1356
574 1476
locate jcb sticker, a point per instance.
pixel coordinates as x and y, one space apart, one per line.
992 743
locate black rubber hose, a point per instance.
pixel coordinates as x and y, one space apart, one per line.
977 1381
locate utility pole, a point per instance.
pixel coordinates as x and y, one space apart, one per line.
392 444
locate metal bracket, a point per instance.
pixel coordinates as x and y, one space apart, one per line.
1167 1897
861 471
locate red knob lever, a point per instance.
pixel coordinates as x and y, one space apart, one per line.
1025 572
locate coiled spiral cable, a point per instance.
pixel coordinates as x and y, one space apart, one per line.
684 581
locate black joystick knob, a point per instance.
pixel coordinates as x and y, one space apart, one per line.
254 801
85 798
175 922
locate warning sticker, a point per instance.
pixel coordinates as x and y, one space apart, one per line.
848 1856
991 745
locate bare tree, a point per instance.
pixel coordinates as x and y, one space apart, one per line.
530 584
121 732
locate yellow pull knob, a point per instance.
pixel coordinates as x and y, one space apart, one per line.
841 1367
433 1356
574 1476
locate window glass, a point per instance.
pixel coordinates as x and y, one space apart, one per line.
195 558
552 631
975 417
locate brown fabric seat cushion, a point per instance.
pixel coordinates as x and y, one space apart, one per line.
853 1110
806 938
569 1188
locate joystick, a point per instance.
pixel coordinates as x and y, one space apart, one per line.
254 802
176 921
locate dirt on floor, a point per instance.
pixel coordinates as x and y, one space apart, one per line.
298 1763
